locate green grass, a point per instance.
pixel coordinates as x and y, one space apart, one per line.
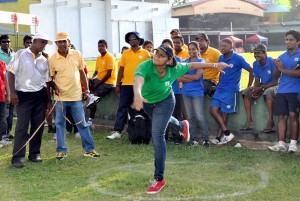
244 79
123 173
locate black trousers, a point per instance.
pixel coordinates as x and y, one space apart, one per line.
31 109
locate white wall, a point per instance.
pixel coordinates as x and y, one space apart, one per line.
88 21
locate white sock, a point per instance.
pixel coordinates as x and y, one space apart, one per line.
293 142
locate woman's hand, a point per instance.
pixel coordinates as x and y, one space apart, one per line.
138 102
222 65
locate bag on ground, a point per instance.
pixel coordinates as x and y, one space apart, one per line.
139 128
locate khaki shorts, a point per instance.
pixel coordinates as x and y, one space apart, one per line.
269 92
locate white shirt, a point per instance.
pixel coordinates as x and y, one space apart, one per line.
31 74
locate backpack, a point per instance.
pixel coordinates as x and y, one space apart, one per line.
139 128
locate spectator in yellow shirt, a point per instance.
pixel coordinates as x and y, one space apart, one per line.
103 80
130 60
176 32
210 55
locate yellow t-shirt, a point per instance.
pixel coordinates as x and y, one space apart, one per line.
66 74
211 56
105 63
130 61
183 55
185 47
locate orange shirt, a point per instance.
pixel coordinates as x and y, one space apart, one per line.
211 56
105 63
183 55
130 61
185 47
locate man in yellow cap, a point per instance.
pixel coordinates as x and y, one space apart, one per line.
66 68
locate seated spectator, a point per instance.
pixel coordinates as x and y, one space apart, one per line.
264 84
103 80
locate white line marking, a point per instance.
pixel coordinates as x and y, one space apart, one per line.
263 183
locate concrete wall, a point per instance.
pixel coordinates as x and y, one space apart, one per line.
107 108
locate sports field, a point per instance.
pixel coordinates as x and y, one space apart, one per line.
123 173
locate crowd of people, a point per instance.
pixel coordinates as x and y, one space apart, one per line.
168 83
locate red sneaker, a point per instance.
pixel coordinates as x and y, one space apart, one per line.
186 130
156 186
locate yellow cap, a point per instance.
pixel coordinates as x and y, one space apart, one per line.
62 36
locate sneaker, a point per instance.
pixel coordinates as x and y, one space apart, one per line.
293 149
206 144
93 100
280 146
156 186
186 130
5 142
90 123
67 133
227 139
92 154
215 141
9 136
114 135
1 145
77 136
61 155
194 143
54 136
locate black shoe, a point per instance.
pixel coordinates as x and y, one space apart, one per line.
206 144
177 140
18 164
51 130
35 159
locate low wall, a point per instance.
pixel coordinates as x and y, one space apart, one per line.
107 108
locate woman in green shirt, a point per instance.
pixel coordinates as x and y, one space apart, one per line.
153 92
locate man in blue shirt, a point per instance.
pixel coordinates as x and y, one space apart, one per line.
225 98
286 104
264 84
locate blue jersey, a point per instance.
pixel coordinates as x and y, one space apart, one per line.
194 88
230 81
265 73
175 85
289 84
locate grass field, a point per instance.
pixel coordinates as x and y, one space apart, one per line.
123 173
244 80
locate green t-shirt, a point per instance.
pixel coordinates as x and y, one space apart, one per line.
155 89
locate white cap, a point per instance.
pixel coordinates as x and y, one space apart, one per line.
42 36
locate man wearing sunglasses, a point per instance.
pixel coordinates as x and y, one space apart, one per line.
131 58
6 55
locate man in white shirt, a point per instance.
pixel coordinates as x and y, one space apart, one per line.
27 80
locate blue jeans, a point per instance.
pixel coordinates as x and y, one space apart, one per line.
161 115
126 99
77 112
195 112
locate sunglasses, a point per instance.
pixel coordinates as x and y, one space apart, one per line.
132 39
5 41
